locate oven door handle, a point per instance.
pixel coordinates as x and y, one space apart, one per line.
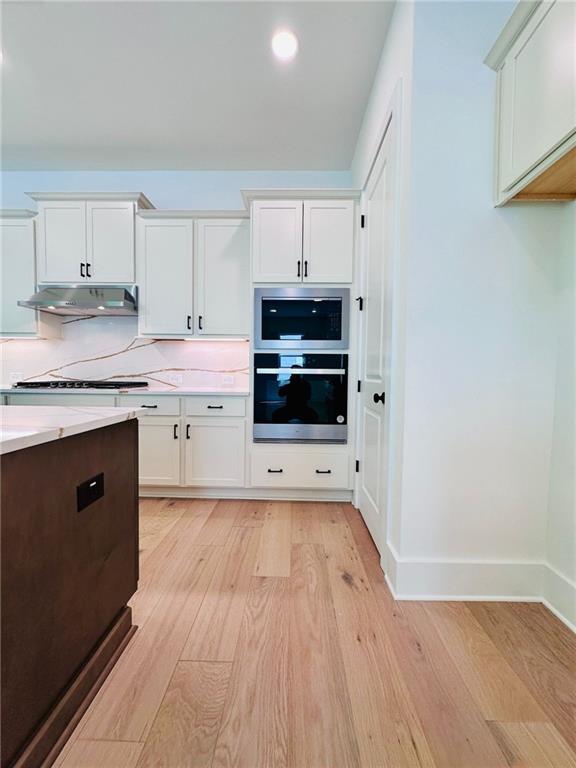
304 371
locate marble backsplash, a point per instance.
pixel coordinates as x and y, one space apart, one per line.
109 348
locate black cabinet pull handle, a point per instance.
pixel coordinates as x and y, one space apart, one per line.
82 269
215 407
88 270
305 269
323 471
175 431
199 322
148 406
189 322
379 398
187 431
298 275
275 471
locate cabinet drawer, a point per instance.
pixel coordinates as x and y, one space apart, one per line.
164 405
69 400
216 406
308 469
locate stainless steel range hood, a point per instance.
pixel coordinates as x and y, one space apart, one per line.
84 300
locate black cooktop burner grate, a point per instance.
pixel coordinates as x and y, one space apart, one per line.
79 384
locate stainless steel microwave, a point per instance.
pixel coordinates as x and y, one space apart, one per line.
301 318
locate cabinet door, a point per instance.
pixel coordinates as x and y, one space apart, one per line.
328 241
215 451
165 276
277 241
537 91
222 277
17 276
159 451
110 242
62 241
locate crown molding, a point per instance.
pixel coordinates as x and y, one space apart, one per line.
185 214
249 195
129 197
506 39
17 213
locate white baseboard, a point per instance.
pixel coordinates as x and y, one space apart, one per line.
503 581
272 494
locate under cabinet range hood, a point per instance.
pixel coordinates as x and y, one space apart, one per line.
84 300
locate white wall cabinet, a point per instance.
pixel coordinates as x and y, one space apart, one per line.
18 279
296 241
222 285
165 277
536 93
215 451
86 239
159 450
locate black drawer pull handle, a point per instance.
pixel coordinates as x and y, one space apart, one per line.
323 471
175 431
275 471
148 406
215 407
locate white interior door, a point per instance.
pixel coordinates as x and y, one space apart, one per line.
378 205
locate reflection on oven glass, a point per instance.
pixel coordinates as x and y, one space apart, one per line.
297 393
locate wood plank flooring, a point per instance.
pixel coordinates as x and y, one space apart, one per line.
268 639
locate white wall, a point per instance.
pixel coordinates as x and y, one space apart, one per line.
201 190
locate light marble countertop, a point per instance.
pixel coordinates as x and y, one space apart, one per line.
155 390
23 426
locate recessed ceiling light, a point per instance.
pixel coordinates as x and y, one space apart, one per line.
285 45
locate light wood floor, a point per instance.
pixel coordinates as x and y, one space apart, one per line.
268 638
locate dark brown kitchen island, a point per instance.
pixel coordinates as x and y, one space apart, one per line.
69 509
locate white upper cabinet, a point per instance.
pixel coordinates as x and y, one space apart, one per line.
328 242
110 241
535 60
222 285
296 241
17 276
62 241
277 241
86 239
165 276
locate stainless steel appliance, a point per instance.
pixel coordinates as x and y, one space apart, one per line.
300 397
301 318
84 300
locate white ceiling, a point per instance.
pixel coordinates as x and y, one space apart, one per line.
185 85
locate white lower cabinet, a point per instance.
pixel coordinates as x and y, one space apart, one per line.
159 450
215 451
300 469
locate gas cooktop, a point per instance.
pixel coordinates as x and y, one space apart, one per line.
79 384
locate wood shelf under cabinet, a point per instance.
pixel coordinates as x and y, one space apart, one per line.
556 183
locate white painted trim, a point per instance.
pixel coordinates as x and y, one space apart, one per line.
272 494
17 213
559 595
249 195
509 34
129 197
184 214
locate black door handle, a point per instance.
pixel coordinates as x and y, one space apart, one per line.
275 471
88 270
187 431
215 407
298 275
189 322
82 269
323 471
305 269
148 406
175 431
200 322
379 398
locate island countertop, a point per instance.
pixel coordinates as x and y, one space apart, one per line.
23 426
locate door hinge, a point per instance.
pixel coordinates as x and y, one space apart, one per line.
357 465
360 301
362 221
359 387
